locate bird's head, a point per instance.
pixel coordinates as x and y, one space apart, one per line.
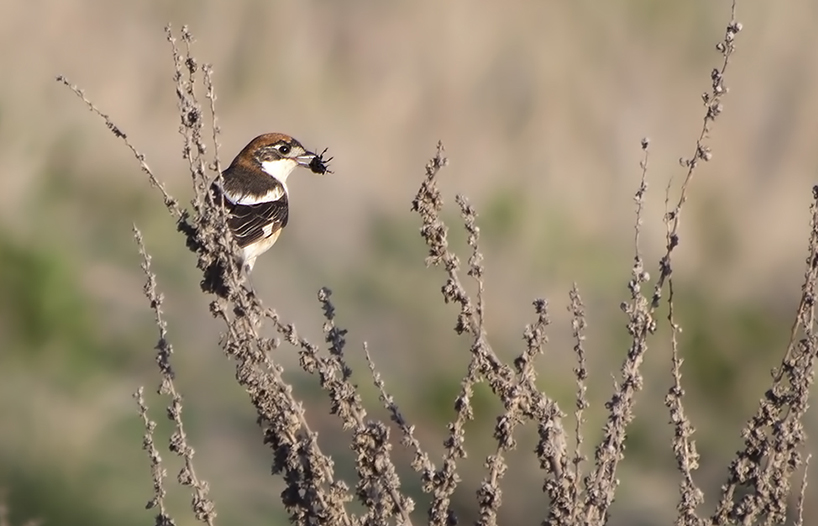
278 155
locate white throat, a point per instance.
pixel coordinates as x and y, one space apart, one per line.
279 169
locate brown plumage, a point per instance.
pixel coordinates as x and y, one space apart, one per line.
255 193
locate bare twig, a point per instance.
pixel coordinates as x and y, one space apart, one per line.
601 483
775 433
578 326
202 506
518 393
799 507
712 103
170 203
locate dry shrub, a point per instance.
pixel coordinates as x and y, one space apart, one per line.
579 491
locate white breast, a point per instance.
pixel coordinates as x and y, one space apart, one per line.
254 250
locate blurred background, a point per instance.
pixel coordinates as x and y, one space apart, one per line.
540 106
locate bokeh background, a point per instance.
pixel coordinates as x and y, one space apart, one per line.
541 107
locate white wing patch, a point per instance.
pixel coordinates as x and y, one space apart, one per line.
247 199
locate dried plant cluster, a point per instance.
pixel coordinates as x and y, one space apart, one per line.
579 490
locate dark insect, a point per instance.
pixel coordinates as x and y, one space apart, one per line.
319 165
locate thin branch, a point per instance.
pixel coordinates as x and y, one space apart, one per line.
170 203
203 507
799 507
578 326
712 103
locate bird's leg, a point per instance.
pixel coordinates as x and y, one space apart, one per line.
251 289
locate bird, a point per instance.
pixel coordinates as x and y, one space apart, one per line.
253 190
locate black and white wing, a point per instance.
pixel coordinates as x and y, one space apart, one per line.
253 215
250 223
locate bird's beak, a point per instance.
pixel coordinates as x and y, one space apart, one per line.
305 159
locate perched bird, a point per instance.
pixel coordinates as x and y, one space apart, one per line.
254 190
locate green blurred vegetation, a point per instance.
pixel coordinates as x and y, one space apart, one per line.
45 318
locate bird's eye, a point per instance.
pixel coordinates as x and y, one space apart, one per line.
284 148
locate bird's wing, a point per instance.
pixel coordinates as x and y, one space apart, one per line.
253 219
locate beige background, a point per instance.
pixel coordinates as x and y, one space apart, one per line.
541 107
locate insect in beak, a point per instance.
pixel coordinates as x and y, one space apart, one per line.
319 165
